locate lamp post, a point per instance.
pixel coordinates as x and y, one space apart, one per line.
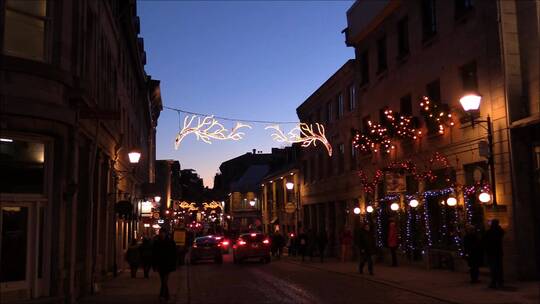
471 104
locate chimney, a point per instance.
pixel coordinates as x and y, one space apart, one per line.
254 151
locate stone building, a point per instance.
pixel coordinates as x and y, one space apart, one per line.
330 186
430 150
75 101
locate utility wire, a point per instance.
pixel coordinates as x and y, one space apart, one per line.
231 119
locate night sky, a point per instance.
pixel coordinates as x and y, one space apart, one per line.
249 60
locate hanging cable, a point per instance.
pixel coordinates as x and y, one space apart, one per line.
231 119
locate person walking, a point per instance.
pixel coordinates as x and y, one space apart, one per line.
472 248
322 241
164 258
346 242
366 247
494 253
145 251
393 241
133 257
302 245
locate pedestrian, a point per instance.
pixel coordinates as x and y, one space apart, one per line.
366 247
146 256
393 241
133 257
280 243
322 241
164 257
472 247
303 244
494 253
292 244
345 241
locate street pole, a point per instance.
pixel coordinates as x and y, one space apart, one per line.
491 162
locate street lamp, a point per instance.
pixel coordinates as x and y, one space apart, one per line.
157 198
394 206
369 209
252 203
289 185
413 203
134 156
484 197
451 201
471 104
356 210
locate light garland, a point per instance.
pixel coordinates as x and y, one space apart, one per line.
208 128
435 116
379 228
307 134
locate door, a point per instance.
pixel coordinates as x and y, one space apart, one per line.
14 251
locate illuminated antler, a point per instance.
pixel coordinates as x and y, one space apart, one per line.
207 129
302 133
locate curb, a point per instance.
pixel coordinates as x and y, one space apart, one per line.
379 281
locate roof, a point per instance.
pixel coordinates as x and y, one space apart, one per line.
251 178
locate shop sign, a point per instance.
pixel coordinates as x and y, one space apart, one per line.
395 182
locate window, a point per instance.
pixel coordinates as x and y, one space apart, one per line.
352 97
429 19
364 68
329 112
403 37
353 156
340 105
22 167
433 91
405 105
381 55
462 7
341 158
468 77
24 29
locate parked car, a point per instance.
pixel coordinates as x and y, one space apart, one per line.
224 243
252 246
206 248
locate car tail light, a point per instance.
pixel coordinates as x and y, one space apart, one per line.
253 235
241 243
225 243
219 244
267 241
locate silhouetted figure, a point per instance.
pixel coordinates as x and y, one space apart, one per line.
133 257
472 245
146 256
303 245
322 241
393 241
346 242
278 241
164 256
494 253
366 247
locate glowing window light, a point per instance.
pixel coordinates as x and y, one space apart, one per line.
302 133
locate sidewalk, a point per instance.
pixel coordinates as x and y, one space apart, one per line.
444 285
124 289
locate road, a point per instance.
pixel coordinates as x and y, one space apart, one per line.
283 281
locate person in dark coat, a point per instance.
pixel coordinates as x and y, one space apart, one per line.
494 253
302 245
366 247
164 257
472 248
393 241
146 252
133 257
322 241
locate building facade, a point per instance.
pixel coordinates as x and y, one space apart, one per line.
75 102
415 60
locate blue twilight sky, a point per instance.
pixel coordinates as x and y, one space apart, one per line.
243 59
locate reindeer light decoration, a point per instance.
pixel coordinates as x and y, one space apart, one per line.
208 128
306 134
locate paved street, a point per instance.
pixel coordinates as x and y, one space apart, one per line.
283 282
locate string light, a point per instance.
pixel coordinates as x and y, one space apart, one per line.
208 128
435 116
302 133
